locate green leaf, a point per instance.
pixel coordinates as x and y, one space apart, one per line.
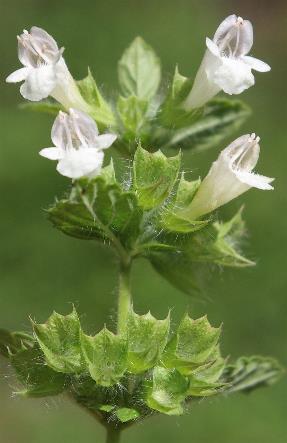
106 356
100 109
193 344
249 373
139 70
12 342
45 106
99 209
32 371
147 338
221 118
154 177
132 112
205 380
177 268
186 266
167 391
172 114
226 247
171 219
59 339
125 415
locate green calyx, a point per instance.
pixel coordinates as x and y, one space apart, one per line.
126 376
142 217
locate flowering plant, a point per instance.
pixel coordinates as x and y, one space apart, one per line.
151 210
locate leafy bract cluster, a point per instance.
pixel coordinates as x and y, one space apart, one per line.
145 217
128 376
155 115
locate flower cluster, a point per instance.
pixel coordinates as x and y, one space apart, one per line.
78 145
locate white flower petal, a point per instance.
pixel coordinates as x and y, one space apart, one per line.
255 180
105 140
39 83
42 35
204 88
229 176
245 38
256 64
233 76
80 163
52 153
84 126
18 76
60 133
224 27
212 47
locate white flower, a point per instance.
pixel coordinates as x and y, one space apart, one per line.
229 176
226 65
45 71
78 145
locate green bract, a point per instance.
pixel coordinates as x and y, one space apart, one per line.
143 217
125 377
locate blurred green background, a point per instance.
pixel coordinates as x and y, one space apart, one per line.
42 270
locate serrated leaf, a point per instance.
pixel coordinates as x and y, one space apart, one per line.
99 209
44 106
171 218
227 244
59 339
146 338
192 345
249 373
172 113
177 268
12 342
200 388
32 371
100 109
132 112
139 70
205 379
154 177
108 173
106 356
125 415
221 118
167 391
186 265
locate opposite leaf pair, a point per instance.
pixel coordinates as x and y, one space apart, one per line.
148 216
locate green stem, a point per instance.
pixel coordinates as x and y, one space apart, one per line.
124 300
113 435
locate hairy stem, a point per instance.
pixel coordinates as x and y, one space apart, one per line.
124 300
113 435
